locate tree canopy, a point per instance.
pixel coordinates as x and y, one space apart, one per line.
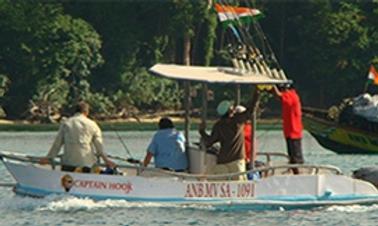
54 53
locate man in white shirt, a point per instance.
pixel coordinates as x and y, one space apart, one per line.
78 134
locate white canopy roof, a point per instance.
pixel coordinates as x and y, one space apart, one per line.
212 74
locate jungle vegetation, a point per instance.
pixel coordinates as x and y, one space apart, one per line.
54 53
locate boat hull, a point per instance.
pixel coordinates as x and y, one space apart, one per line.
341 139
288 191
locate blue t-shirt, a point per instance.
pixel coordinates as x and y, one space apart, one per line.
168 149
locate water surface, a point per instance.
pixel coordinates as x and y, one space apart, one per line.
62 210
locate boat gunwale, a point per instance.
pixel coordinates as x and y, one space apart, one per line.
183 175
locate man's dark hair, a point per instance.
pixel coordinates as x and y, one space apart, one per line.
290 86
82 107
166 123
227 114
286 86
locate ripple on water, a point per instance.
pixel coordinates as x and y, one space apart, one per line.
353 208
66 210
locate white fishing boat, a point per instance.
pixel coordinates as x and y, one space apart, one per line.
277 187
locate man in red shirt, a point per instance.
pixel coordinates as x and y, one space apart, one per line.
247 137
291 122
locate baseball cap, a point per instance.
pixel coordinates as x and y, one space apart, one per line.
223 107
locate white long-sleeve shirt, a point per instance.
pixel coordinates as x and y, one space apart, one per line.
78 134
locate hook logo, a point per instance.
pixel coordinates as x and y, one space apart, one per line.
67 182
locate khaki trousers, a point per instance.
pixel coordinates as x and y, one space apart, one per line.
231 167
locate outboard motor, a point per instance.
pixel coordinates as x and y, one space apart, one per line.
369 174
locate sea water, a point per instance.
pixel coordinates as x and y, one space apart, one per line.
63 210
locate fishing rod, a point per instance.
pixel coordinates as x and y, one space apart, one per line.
246 39
246 56
252 45
254 22
272 57
238 52
129 160
261 58
251 53
122 142
231 9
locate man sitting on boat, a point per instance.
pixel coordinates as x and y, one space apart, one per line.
228 130
168 148
78 134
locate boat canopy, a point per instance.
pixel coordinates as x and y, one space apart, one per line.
213 74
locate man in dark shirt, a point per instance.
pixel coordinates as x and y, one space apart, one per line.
228 130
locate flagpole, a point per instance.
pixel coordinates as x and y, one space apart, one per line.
366 87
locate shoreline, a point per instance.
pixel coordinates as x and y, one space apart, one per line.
123 125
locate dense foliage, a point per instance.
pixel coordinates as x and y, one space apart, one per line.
53 53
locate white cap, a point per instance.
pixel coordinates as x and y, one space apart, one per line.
240 109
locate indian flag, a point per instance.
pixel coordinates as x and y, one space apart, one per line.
373 75
231 15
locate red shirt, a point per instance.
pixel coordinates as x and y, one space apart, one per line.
247 141
291 114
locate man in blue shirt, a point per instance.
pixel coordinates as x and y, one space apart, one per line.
167 147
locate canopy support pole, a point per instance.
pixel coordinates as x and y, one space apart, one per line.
204 102
187 105
256 98
204 110
237 95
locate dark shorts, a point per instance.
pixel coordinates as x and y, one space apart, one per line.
294 150
68 168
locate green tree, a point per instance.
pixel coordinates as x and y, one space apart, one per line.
40 46
324 46
138 34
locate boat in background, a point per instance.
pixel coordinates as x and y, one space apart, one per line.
342 138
